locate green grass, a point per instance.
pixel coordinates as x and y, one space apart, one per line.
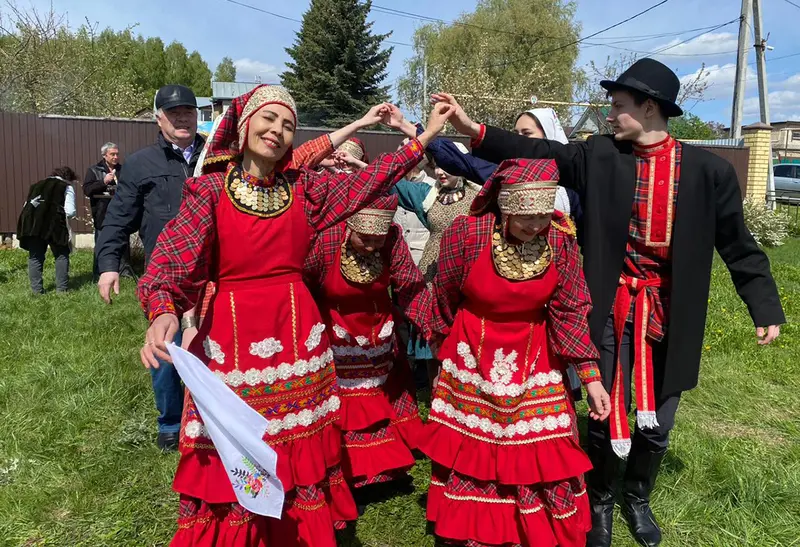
78 464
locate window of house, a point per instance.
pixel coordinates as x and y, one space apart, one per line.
796 135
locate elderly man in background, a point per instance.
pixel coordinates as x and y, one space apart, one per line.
148 196
99 185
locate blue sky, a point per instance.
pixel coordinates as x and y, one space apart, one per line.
256 41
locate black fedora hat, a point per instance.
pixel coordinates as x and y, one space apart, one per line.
653 79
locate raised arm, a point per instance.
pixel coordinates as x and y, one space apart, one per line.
407 281
495 145
747 263
333 197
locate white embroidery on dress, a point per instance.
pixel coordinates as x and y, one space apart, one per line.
303 418
522 427
386 330
266 348
270 375
366 353
315 337
491 388
364 383
503 367
195 429
341 333
213 350
362 340
465 352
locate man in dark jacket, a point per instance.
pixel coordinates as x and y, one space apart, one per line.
655 210
99 185
148 196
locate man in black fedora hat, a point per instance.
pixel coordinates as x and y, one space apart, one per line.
654 211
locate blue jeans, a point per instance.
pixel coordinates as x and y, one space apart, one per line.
169 394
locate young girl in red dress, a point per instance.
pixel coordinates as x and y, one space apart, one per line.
509 308
248 228
354 265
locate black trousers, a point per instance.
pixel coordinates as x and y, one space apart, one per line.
666 407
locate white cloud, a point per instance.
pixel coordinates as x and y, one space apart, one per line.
720 80
247 70
783 105
712 43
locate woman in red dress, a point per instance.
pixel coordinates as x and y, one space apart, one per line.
509 306
355 264
248 228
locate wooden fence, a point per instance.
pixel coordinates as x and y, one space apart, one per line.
31 146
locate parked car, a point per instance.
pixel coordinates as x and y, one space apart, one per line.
787 182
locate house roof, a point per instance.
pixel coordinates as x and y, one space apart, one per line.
592 121
230 90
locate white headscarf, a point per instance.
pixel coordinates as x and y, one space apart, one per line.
553 131
548 119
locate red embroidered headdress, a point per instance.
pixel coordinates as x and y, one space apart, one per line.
229 135
519 187
376 219
356 148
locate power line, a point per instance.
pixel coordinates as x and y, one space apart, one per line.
579 40
696 36
649 36
298 20
792 3
668 54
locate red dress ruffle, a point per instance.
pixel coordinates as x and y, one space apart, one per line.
508 469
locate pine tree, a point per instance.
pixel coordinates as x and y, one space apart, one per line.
338 63
226 71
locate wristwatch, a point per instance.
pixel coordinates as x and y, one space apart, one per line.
188 322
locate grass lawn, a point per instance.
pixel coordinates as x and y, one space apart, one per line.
78 464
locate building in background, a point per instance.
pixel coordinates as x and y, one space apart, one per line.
786 142
223 93
591 122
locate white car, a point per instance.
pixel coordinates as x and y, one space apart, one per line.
787 181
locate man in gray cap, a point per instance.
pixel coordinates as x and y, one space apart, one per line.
148 196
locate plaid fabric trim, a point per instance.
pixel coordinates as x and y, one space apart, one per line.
568 312
310 153
642 260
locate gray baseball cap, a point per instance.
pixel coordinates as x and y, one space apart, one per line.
171 96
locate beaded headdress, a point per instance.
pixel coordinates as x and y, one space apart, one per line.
375 220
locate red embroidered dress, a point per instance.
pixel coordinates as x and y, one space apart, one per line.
502 430
263 336
644 286
379 412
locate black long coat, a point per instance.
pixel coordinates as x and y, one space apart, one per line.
708 215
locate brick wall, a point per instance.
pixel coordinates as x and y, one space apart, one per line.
757 138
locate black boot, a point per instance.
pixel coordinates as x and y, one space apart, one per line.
602 486
640 477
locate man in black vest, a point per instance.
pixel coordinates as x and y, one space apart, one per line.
655 210
147 197
99 185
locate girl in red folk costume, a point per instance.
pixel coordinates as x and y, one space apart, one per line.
248 227
354 264
510 302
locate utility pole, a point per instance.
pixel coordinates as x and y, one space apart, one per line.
763 95
425 97
741 70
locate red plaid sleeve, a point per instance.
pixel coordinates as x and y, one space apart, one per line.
322 255
568 324
333 197
407 281
205 300
310 153
179 266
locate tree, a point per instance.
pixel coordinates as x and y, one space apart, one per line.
199 75
338 63
45 66
514 48
690 127
226 71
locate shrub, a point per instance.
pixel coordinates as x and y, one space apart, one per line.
769 228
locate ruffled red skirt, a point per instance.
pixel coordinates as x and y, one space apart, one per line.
380 428
317 497
505 495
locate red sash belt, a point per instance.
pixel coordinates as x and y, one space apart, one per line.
632 289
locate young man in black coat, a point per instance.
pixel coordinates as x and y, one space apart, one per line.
654 211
